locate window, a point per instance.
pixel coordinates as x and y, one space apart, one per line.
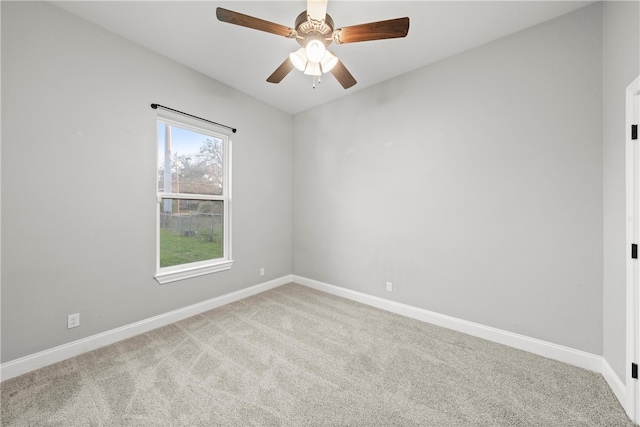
193 194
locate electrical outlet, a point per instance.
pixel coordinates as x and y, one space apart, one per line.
73 320
389 286
262 271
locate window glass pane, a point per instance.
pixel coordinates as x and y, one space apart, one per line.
189 162
190 231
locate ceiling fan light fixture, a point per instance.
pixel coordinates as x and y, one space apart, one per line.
314 30
313 69
328 62
315 50
299 59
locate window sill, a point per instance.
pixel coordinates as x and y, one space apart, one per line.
188 272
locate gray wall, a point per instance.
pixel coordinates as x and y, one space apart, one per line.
474 185
78 180
621 61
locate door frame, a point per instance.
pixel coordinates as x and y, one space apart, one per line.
632 154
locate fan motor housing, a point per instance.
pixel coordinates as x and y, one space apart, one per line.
306 27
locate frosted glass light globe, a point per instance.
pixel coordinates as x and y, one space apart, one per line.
315 50
299 59
328 62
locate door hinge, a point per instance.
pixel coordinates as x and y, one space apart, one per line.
634 371
634 132
634 251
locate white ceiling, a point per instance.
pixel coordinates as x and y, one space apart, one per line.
188 32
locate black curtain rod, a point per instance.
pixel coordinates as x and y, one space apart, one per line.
154 106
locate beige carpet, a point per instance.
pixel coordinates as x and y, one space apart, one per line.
294 356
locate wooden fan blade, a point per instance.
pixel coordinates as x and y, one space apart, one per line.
281 72
390 29
317 9
343 75
237 18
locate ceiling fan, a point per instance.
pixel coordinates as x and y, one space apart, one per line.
314 31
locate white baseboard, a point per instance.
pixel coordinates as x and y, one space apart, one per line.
564 354
615 383
553 351
44 358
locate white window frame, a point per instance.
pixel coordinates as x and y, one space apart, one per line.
185 271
